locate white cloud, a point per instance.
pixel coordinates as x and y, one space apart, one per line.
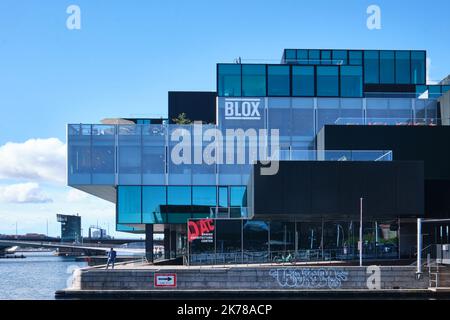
75 195
35 160
23 193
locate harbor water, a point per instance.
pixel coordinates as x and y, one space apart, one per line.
36 277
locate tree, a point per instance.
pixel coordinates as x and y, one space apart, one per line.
181 119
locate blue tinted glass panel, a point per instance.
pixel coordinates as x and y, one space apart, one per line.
229 82
402 67
418 65
434 92
351 81
238 197
253 80
290 55
326 57
445 89
204 196
154 200
371 67
327 81
178 217
314 57
340 57
303 81
179 195
421 90
387 72
355 58
278 80
223 197
129 204
302 56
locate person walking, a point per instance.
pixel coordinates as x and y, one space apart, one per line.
111 258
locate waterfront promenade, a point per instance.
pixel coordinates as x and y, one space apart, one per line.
331 280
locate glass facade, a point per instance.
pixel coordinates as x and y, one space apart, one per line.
380 66
327 81
284 80
303 81
253 80
229 80
262 241
176 204
278 80
351 81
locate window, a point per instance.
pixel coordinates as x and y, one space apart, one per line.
229 84
223 197
179 196
129 204
256 235
445 89
355 58
418 61
340 57
387 75
302 56
371 67
303 81
402 67
253 80
238 196
130 154
204 196
314 57
327 81
278 80
326 57
154 201
434 92
351 81
290 55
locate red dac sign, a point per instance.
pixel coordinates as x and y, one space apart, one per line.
201 229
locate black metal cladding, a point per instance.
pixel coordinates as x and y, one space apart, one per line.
198 106
333 189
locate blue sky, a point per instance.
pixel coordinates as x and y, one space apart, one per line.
129 54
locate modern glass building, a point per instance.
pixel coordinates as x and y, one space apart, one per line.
224 211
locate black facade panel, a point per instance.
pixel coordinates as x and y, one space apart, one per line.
437 198
333 189
408 143
198 106
326 201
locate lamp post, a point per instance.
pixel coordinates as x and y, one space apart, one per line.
360 230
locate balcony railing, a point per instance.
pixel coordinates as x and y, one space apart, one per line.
389 121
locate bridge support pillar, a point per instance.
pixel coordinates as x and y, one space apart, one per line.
149 242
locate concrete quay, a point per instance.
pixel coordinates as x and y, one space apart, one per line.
251 281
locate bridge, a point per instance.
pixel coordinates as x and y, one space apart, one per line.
122 246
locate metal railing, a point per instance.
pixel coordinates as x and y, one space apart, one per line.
282 257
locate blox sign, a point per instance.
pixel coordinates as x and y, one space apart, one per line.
243 108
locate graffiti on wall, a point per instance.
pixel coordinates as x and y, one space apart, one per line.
309 278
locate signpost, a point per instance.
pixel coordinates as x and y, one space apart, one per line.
165 280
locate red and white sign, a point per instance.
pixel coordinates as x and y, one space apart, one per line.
201 229
165 280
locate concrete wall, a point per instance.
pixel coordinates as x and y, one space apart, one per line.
267 277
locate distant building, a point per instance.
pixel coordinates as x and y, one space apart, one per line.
70 227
